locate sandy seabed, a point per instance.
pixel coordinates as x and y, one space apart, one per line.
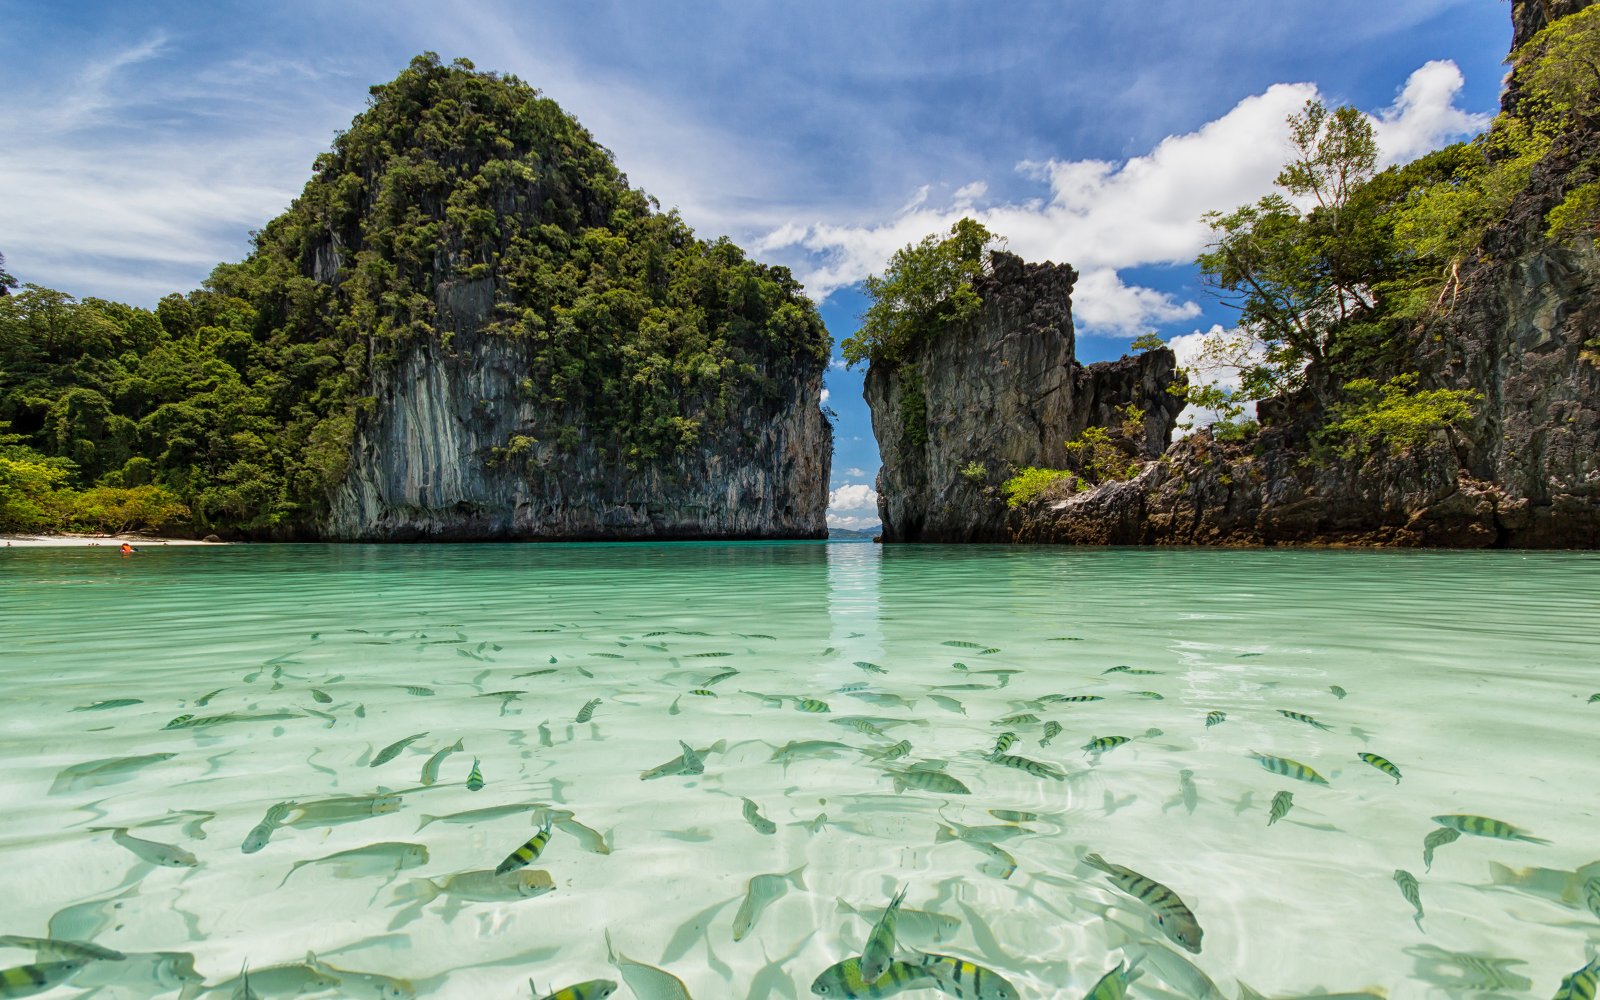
20 541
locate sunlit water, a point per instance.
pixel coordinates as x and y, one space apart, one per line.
1471 672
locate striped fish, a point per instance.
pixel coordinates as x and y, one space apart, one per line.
928 781
1289 768
1004 742
1052 729
1053 699
1152 695
894 752
871 668
1438 838
1382 764
1338 692
703 693
1581 984
1215 717
1038 769
1594 698
1281 804
527 853
1483 826
1408 888
879 952
1591 895
1014 815
862 726
1104 743
1024 718
1302 717
1114 984
26 980
966 980
762 825
587 711
262 832
594 989
475 778
844 980
813 705
1176 919
718 679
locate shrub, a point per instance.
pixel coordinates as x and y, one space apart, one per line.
1029 483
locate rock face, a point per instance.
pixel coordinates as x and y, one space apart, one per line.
529 348
1003 392
430 463
1523 332
1529 17
1524 474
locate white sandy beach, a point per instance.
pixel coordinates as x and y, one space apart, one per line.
85 541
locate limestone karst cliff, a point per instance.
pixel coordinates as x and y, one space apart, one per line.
524 346
1513 320
1000 392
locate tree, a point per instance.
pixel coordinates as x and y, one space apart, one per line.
1295 276
7 282
926 288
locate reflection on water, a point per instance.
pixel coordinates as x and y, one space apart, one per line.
241 756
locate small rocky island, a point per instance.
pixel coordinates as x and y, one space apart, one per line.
1364 448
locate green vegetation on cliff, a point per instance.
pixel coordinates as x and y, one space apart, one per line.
239 401
1331 298
926 288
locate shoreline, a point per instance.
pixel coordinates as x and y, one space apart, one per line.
71 541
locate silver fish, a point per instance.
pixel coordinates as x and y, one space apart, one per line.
394 749
154 852
430 770
763 891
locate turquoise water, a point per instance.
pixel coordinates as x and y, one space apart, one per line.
1470 672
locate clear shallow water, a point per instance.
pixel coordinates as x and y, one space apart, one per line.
1470 671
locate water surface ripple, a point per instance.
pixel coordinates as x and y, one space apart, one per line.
1471 672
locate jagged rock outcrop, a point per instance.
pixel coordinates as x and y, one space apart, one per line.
1001 392
1524 473
1521 330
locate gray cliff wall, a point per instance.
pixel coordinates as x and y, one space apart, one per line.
1004 391
430 460
1525 473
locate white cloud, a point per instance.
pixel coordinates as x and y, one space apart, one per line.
1424 117
1103 216
853 496
858 473
825 395
1187 347
853 523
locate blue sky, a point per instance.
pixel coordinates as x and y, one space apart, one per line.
140 143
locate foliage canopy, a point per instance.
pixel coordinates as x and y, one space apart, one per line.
926 288
242 398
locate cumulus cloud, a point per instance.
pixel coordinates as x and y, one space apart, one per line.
853 496
853 505
825 395
1103 216
1424 117
853 523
